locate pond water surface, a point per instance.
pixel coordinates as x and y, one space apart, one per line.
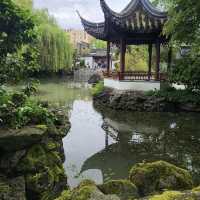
104 144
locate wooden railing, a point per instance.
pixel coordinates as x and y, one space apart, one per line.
135 76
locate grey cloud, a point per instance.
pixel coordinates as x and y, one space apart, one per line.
65 10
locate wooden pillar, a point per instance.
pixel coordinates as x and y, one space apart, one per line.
150 61
108 58
106 140
122 57
157 60
169 59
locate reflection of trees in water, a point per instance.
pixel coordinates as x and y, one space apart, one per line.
148 137
63 92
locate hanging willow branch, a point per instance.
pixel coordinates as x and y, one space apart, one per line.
54 45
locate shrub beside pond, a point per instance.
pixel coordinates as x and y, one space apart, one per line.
17 110
98 88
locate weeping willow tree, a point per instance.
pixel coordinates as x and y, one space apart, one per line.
55 50
53 44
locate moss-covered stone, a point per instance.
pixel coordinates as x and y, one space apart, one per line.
38 158
175 195
66 195
15 140
44 171
197 189
86 182
86 191
157 176
123 188
9 161
12 188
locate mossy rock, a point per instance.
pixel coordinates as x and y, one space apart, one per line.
86 182
9 161
88 192
58 132
13 188
158 176
123 188
51 183
44 171
39 158
175 195
197 189
14 140
66 195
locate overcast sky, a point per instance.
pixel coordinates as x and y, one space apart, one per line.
65 10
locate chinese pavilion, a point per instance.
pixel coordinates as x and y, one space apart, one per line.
140 23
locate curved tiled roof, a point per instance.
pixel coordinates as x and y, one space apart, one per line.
139 22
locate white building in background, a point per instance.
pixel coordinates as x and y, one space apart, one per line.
97 59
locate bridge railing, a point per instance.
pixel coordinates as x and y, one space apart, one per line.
135 76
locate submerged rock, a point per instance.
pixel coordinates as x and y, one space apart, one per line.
123 188
13 140
157 176
12 189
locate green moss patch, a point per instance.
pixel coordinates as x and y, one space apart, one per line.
175 195
97 89
197 189
157 176
169 195
123 188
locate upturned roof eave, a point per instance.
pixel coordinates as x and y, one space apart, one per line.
131 8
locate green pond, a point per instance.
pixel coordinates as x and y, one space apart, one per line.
104 144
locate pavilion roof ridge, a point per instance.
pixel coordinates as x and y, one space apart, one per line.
131 8
139 23
88 23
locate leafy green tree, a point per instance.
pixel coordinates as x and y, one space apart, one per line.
183 28
136 58
16 27
98 44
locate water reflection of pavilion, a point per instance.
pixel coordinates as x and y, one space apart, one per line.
143 137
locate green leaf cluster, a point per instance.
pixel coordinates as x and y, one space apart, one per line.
17 110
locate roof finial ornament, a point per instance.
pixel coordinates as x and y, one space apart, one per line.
78 13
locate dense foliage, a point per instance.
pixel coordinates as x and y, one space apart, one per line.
97 89
98 44
16 27
177 96
136 58
183 27
55 50
187 72
31 42
17 110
